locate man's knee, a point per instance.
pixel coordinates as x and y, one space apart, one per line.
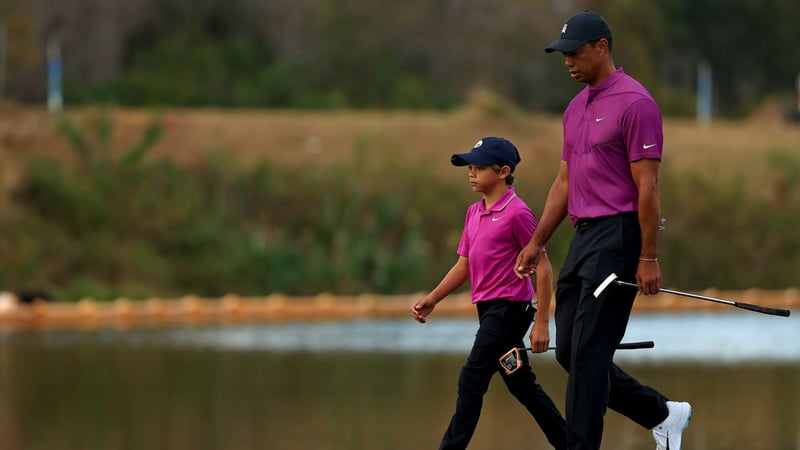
563 356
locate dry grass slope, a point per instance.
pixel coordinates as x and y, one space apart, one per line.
313 139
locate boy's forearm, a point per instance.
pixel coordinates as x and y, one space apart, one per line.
453 280
544 292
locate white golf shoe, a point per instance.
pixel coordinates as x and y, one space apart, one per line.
668 433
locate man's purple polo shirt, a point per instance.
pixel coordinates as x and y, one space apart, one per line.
606 127
491 240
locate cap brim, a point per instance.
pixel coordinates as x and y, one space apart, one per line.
465 159
564 45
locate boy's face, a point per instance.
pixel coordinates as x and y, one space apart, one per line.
486 179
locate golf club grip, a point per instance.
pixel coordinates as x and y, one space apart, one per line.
635 345
621 346
763 309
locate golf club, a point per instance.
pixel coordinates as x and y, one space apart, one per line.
761 309
510 361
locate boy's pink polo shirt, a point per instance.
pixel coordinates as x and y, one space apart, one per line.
491 240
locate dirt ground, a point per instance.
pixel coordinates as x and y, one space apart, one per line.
122 313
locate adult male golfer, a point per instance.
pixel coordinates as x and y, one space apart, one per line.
608 185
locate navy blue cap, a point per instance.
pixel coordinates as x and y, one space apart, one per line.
580 29
487 152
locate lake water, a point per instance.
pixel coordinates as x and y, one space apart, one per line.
380 384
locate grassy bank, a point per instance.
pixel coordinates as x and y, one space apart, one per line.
256 202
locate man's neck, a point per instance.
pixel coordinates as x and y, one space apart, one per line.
604 73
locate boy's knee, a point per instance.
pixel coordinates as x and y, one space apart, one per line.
473 382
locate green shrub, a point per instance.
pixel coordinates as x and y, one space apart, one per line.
120 223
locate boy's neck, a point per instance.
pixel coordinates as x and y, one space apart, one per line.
490 198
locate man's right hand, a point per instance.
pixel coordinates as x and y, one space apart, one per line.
528 260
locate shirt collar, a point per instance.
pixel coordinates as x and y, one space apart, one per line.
594 91
611 79
501 202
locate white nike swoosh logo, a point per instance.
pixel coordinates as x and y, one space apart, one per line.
598 119
645 146
495 219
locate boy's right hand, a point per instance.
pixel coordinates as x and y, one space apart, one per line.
421 308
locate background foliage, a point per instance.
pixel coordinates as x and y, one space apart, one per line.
123 222
387 54
120 222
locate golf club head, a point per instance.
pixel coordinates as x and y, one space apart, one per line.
510 361
602 287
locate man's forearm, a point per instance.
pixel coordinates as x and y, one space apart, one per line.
645 175
649 216
555 209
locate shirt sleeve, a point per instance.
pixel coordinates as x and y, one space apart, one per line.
523 226
643 130
525 223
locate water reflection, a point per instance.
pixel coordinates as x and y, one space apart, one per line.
370 385
707 337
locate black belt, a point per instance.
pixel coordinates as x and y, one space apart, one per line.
589 221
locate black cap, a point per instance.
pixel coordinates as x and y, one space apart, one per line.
580 29
489 151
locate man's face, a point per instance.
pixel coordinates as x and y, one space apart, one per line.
584 63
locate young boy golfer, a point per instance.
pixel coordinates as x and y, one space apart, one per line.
495 230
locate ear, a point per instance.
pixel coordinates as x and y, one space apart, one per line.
505 171
602 45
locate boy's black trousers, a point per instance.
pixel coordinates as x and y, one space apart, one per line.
503 325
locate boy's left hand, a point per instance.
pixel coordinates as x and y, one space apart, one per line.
540 337
421 308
